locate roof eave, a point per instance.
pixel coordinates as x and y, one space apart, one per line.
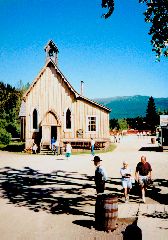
95 103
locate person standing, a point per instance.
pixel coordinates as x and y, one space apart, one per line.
34 148
56 147
100 175
52 143
126 173
68 150
143 174
92 146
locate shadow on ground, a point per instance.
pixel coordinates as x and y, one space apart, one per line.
61 192
57 192
151 149
127 229
132 232
155 191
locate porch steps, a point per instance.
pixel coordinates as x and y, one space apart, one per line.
46 151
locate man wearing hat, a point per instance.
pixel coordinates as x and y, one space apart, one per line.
100 175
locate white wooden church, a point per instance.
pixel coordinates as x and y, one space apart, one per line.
52 108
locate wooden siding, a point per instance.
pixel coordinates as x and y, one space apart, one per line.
82 110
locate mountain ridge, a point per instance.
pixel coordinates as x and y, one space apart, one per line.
131 106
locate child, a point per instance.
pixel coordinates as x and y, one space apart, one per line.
68 150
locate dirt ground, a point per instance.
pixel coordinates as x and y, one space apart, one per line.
49 197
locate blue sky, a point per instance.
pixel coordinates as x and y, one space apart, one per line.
113 57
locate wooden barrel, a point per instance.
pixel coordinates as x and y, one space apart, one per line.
106 212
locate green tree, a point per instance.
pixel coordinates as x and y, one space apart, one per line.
114 124
157 15
136 123
10 100
163 112
123 125
152 118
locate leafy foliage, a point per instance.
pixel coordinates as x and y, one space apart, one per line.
110 5
156 14
5 137
114 124
123 125
137 123
118 124
10 101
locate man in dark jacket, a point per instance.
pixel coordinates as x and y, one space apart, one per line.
100 175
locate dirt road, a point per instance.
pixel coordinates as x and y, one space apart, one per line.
49 197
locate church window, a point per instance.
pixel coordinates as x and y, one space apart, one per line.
35 119
68 119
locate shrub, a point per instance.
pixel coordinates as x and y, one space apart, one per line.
5 137
13 128
15 147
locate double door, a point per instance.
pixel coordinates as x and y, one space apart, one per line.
47 133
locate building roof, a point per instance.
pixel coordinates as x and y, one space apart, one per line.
77 95
52 45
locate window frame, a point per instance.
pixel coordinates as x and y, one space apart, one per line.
32 121
87 123
68 129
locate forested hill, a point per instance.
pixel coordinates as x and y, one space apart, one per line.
131 106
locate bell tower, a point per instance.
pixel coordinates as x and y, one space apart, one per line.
51 52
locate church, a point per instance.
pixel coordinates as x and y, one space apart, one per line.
52 108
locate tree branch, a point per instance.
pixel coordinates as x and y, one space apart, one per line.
110 5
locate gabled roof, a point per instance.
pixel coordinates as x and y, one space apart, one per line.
77 95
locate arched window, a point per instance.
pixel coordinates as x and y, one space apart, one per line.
68 119
35 119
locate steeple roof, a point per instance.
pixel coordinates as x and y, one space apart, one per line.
51 45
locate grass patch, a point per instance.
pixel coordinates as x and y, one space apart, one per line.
111 148
2 146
